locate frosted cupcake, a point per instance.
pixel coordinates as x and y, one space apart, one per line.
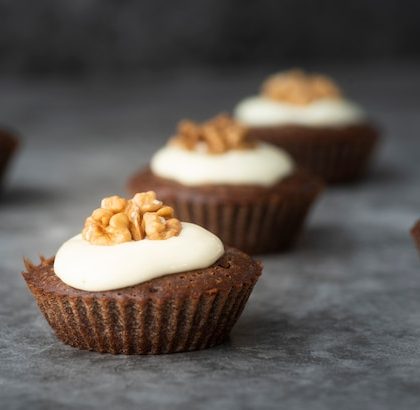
308 116
139 281
250 194
415 233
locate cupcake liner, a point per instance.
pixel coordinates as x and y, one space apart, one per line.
335 154
415 233
269 225
255 219
128 325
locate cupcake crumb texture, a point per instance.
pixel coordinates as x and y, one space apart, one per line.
120 220
216 136
299 88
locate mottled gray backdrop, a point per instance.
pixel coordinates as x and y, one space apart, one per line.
79 36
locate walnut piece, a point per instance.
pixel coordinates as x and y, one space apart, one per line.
120 220
218 135
157 227
297 87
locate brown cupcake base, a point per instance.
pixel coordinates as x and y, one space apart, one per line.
8 145
175 313
415 233
337 154
252 218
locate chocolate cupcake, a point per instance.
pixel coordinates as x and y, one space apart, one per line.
307 116
415 233
8 145
248 193
139 281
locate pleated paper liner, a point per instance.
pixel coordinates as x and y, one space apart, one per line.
8 146
338 155
121 322
256 220
268 226
415 233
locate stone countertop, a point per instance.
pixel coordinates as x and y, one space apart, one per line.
333 324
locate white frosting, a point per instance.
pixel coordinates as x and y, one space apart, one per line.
89 267
260 111
263 165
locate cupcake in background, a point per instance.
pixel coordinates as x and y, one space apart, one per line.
139 281
8 146
308 116
250 194
415 233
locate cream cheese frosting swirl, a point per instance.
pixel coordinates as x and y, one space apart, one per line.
260 111
97 268
295 97
262 165
219 151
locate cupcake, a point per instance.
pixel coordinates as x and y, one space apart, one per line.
307 115
139 281
415 233
249 194
8 145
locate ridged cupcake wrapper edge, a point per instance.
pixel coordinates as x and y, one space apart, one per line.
335 161
267 226
152 326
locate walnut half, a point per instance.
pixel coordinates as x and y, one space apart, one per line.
120 220
297 87
218 135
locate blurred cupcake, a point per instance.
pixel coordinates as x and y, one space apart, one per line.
415 233
249 194
307 115
139 281
8 145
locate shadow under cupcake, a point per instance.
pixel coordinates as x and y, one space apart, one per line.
250 194
308 116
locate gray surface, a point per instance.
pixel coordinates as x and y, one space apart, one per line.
334 324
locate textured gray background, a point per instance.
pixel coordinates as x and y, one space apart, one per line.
79 36
334 324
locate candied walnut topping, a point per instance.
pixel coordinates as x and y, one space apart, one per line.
218 135
297 87
120 220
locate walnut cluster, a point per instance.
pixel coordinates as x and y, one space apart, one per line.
297 87
218 135
120 220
